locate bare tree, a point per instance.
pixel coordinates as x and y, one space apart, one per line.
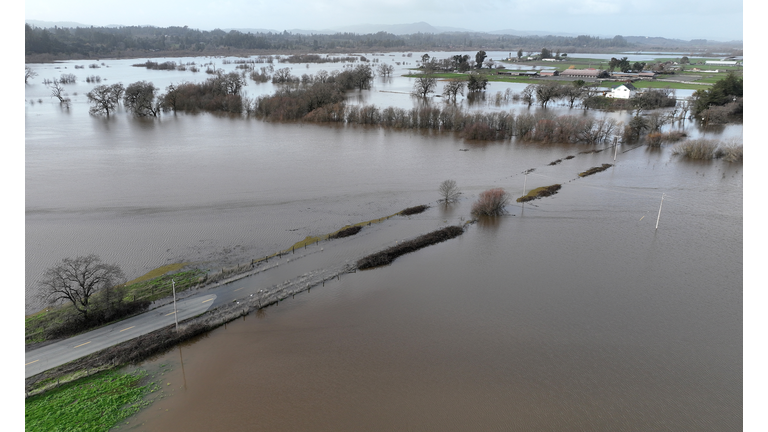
105 98
449 191
424 84
57 91
140 99
452 88
77 279
548 92
527 94
385 70
28 73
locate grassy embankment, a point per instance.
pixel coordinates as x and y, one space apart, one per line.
95 403
151 286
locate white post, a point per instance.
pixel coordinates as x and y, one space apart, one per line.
175 317
525 182
659 216
615 148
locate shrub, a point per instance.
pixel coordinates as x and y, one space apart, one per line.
696 149
390 254
491 203
414 210
541 192
595 170
346 232
730 152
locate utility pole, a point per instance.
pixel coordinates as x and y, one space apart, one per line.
659 216
173 283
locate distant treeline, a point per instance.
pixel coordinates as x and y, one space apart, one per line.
96 42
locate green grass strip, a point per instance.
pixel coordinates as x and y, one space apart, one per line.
95 403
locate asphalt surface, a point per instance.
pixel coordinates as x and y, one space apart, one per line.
65 351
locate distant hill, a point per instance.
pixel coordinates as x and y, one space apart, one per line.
51 24
399 29
511 32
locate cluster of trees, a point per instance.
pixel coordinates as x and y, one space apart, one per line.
723 100
624 65
360 77
324 91
222 92
110 41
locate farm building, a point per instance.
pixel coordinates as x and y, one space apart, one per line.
549 73
581 73
623 91
722 62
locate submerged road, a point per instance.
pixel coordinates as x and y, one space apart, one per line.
65 351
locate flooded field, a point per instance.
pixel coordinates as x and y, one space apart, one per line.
570 313
573 314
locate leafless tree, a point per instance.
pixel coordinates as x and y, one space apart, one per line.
385 70
452 88
140 99
28 73
105 98
449 191
527 94
68 78
77 279
547 92
57 91
425 83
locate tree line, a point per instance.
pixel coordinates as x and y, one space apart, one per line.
112 41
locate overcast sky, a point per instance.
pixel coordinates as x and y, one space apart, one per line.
683 19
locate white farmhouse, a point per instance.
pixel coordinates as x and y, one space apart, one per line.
624 91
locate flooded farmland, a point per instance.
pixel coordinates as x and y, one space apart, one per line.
570 313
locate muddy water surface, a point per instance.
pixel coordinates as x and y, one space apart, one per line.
573 314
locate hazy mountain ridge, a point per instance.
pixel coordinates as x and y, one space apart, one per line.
426 28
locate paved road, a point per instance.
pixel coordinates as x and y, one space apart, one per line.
57 354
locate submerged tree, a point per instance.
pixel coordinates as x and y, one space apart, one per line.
105 98
385 70
477 82
453 88
57 91
425 83
28 73
140 99
449 191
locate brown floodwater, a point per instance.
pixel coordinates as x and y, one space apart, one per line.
216 190
571 313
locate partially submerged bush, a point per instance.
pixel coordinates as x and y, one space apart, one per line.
656 139
414 210
541 192
702 149
388 255
730 152
595 170
346 232
491 203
